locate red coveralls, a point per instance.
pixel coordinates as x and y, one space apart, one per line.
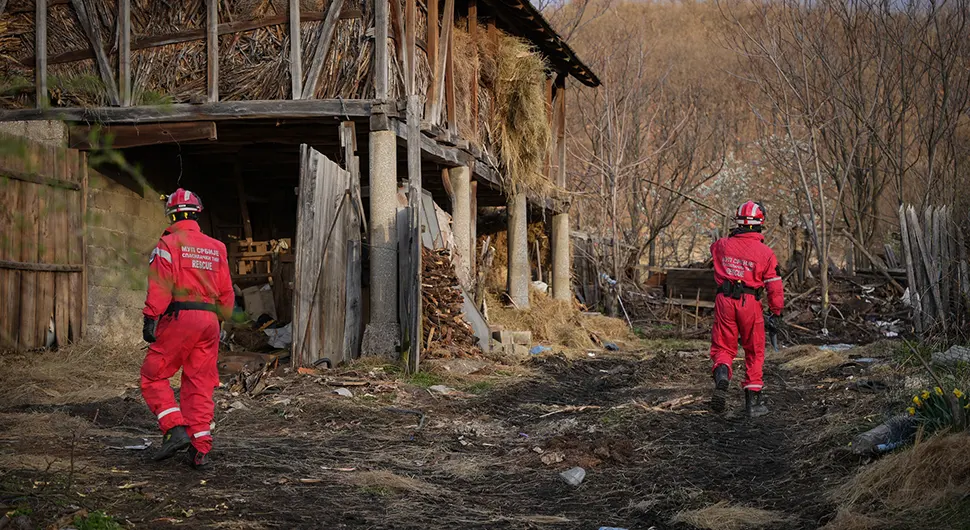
186 266
744 256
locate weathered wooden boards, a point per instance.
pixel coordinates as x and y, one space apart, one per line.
328 224
41 244
936 267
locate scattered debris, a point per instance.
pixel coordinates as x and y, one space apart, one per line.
573 476
537 350
145 444
133 485
886 437
345 392
280 338
836 347
238 405
553 457
956 354
571 408
611 346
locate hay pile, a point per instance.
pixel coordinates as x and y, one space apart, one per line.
519 126
923 487
724 516
73 374
558 323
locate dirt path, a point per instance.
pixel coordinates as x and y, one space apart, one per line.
306 458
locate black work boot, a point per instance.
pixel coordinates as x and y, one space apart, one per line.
197 459
720 387
753 405
175 440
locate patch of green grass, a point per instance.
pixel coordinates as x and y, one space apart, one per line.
611 417
424 379
22 509
379 491
97 521
480 387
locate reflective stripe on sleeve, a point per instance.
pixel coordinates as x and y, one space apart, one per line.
200 434
166 412
164 254
775 279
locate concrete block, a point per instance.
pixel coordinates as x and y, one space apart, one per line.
503 336
522 338
520 351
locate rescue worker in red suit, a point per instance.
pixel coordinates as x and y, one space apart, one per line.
189 292
744 269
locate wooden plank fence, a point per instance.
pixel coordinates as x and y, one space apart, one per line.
42 204
935 256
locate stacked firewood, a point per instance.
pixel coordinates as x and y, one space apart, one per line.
446 332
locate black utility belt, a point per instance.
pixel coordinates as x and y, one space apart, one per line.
736 289
175 307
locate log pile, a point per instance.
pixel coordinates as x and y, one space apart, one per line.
447 333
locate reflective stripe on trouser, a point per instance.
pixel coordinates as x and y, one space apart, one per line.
739 318
189 342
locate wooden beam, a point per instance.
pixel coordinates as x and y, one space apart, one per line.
86 137
226 28
411 22
3 6
38 179
324 39
223 110
397 25
473 34
441 63
212 49
432 37
41 267
560 113
124 53
380 49
40 45
100 57
296 57
450 110
415 201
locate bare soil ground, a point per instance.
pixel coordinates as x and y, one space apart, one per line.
489 457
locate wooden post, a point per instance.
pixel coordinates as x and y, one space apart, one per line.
296 51
450 110
124 53
473 224
473 34
400 41
324 40
352 322
411 22
439 73
212 48
380 48
414 202
40 49
432 55
561 262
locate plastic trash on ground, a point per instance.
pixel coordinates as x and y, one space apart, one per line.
280 338
574 476
893 433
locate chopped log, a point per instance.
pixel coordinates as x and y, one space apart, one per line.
876 262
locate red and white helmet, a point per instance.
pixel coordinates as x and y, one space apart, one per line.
182 201
750 214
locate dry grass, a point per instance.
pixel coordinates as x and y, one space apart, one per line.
40 425
929 482
558 322
389 482
724 516
520 118
817 361
72 374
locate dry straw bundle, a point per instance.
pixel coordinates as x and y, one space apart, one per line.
520 118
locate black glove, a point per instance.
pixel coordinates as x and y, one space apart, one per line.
773 323
148 330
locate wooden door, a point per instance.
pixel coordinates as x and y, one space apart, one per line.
42 203
327 235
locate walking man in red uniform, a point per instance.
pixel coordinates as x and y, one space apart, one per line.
189 291
744 269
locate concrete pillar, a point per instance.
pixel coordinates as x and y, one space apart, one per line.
460 178
561 262
518 280
381 333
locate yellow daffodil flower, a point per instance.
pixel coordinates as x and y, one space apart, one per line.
916 400
957 393
925 394
911 411
939 391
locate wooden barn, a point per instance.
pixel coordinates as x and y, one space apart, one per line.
315 131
